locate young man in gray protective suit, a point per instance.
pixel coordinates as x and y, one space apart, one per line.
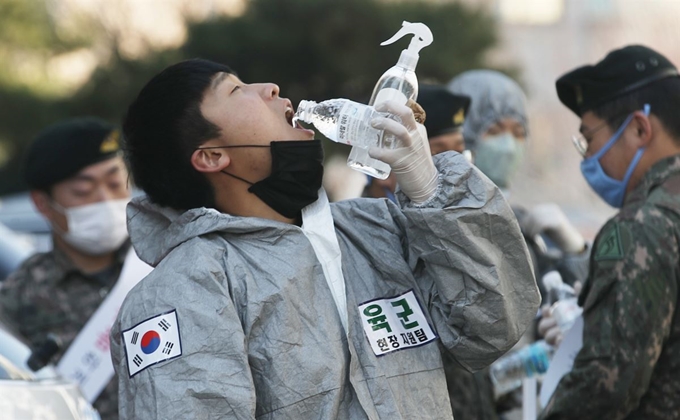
268 302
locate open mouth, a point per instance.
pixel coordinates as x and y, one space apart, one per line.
289 117
292 120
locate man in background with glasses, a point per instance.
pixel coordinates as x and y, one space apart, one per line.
629 364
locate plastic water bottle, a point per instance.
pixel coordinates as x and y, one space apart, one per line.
344 121
398 83
564 303
508 371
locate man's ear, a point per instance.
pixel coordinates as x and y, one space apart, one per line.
643 129
41 201
210 160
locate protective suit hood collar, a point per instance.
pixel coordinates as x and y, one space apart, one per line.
155 230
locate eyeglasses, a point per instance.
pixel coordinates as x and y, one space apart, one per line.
581 142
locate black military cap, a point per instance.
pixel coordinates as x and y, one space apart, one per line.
63 149
620 72
444 111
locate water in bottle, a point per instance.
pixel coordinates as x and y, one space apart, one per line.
508 371
344 121
562 298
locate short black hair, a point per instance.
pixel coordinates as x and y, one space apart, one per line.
163 127
663 96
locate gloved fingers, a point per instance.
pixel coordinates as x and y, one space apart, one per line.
392 127
545 311
577 287
396 158
554 336
546 323
380 154
401 111
422 131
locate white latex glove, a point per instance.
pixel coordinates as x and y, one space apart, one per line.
550 219
548 329
547 326
411 161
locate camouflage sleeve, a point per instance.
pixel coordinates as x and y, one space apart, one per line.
629 303
11 300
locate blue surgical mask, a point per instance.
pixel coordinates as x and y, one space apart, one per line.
611 190
498 157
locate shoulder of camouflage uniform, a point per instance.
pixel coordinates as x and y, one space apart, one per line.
626 246
623 232
667 195
35 269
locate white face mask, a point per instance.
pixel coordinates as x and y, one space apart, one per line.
498 157
95 229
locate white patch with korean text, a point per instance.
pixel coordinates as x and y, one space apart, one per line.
395 323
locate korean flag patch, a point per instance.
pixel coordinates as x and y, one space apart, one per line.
152 341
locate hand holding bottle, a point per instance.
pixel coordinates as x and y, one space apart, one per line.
548 328
558 315
411 160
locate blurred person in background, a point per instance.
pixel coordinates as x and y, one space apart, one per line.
79 183
444 114
629 363
496 131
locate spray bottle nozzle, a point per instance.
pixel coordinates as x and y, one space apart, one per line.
423 36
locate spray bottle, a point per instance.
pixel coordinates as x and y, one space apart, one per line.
400 83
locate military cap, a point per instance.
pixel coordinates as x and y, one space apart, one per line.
444 111
63 149
620 72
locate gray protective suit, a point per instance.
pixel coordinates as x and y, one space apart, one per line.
261 336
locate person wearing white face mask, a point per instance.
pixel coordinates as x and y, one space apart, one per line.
496 130
79 183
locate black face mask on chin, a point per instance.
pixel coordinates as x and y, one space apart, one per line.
297 172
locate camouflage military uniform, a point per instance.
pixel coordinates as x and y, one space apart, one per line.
629 366
47 294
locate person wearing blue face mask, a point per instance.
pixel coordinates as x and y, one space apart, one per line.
629 363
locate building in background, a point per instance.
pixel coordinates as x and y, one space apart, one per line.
545 39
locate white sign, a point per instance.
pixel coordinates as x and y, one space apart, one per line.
395 323
88 359
152 341
562 361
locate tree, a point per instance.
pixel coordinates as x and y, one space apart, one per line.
313 49
320 49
